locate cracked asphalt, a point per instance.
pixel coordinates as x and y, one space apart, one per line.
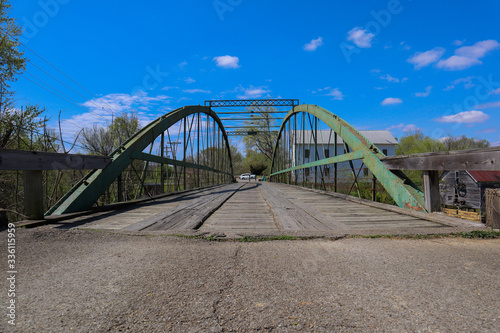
87 281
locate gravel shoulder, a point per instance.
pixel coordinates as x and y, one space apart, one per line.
88 281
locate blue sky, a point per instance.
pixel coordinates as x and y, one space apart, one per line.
397 65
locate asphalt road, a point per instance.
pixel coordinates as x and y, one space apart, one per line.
87 281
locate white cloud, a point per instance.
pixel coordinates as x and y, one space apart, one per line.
424 94
168 88
360 37
488 105
116 103
422 59
468 56
391 100
102 110
456 63
183 64
314 44
467 81
479 49
252 92
189 80
195 91
390 78
466 117
496 91
458 42
227 61
336 94
404 128
487 130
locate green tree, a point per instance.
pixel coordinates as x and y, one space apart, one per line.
20 128
98 140
259 134
255 162
12 61
417 142
463 142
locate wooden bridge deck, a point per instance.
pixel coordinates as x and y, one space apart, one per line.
261 208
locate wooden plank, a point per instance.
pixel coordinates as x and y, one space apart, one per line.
485 159
290 217
35 160
432 196
190 215
33 194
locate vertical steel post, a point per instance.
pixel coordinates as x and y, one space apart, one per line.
315 150
335 164
184 158
198 138
162 166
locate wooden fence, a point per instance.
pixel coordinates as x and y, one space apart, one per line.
493 208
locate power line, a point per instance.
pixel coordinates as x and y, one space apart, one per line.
66 85
69 101
57 69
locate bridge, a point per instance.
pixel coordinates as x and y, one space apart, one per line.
176 175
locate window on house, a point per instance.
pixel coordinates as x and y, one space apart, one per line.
327 153
365 172
306 153
307 172
384 151
327 171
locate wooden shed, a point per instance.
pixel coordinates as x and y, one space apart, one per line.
466 189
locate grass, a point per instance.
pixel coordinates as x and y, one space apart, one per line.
475 234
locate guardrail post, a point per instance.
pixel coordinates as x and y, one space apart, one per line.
33 194
431 191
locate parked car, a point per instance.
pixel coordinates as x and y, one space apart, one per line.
248 176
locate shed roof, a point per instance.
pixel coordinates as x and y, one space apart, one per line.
381 137
485 176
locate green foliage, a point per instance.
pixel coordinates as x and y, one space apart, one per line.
259 134
416 142
13 61
256 162
483 234
98 140
237 159
463 143
17 127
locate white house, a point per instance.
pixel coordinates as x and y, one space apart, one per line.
303 152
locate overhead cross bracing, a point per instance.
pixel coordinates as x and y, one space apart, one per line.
252 116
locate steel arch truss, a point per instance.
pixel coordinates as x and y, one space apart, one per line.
299 155
204 159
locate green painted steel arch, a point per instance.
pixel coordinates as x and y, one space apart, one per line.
404 193
84 194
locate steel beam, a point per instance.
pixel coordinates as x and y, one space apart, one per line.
251 102
84 194
399 188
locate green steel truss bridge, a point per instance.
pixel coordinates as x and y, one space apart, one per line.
189 148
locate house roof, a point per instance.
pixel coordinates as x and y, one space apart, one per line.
381 137
485 176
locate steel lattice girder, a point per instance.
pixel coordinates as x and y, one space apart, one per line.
84 194
404 193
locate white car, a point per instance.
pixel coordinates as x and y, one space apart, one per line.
245 176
